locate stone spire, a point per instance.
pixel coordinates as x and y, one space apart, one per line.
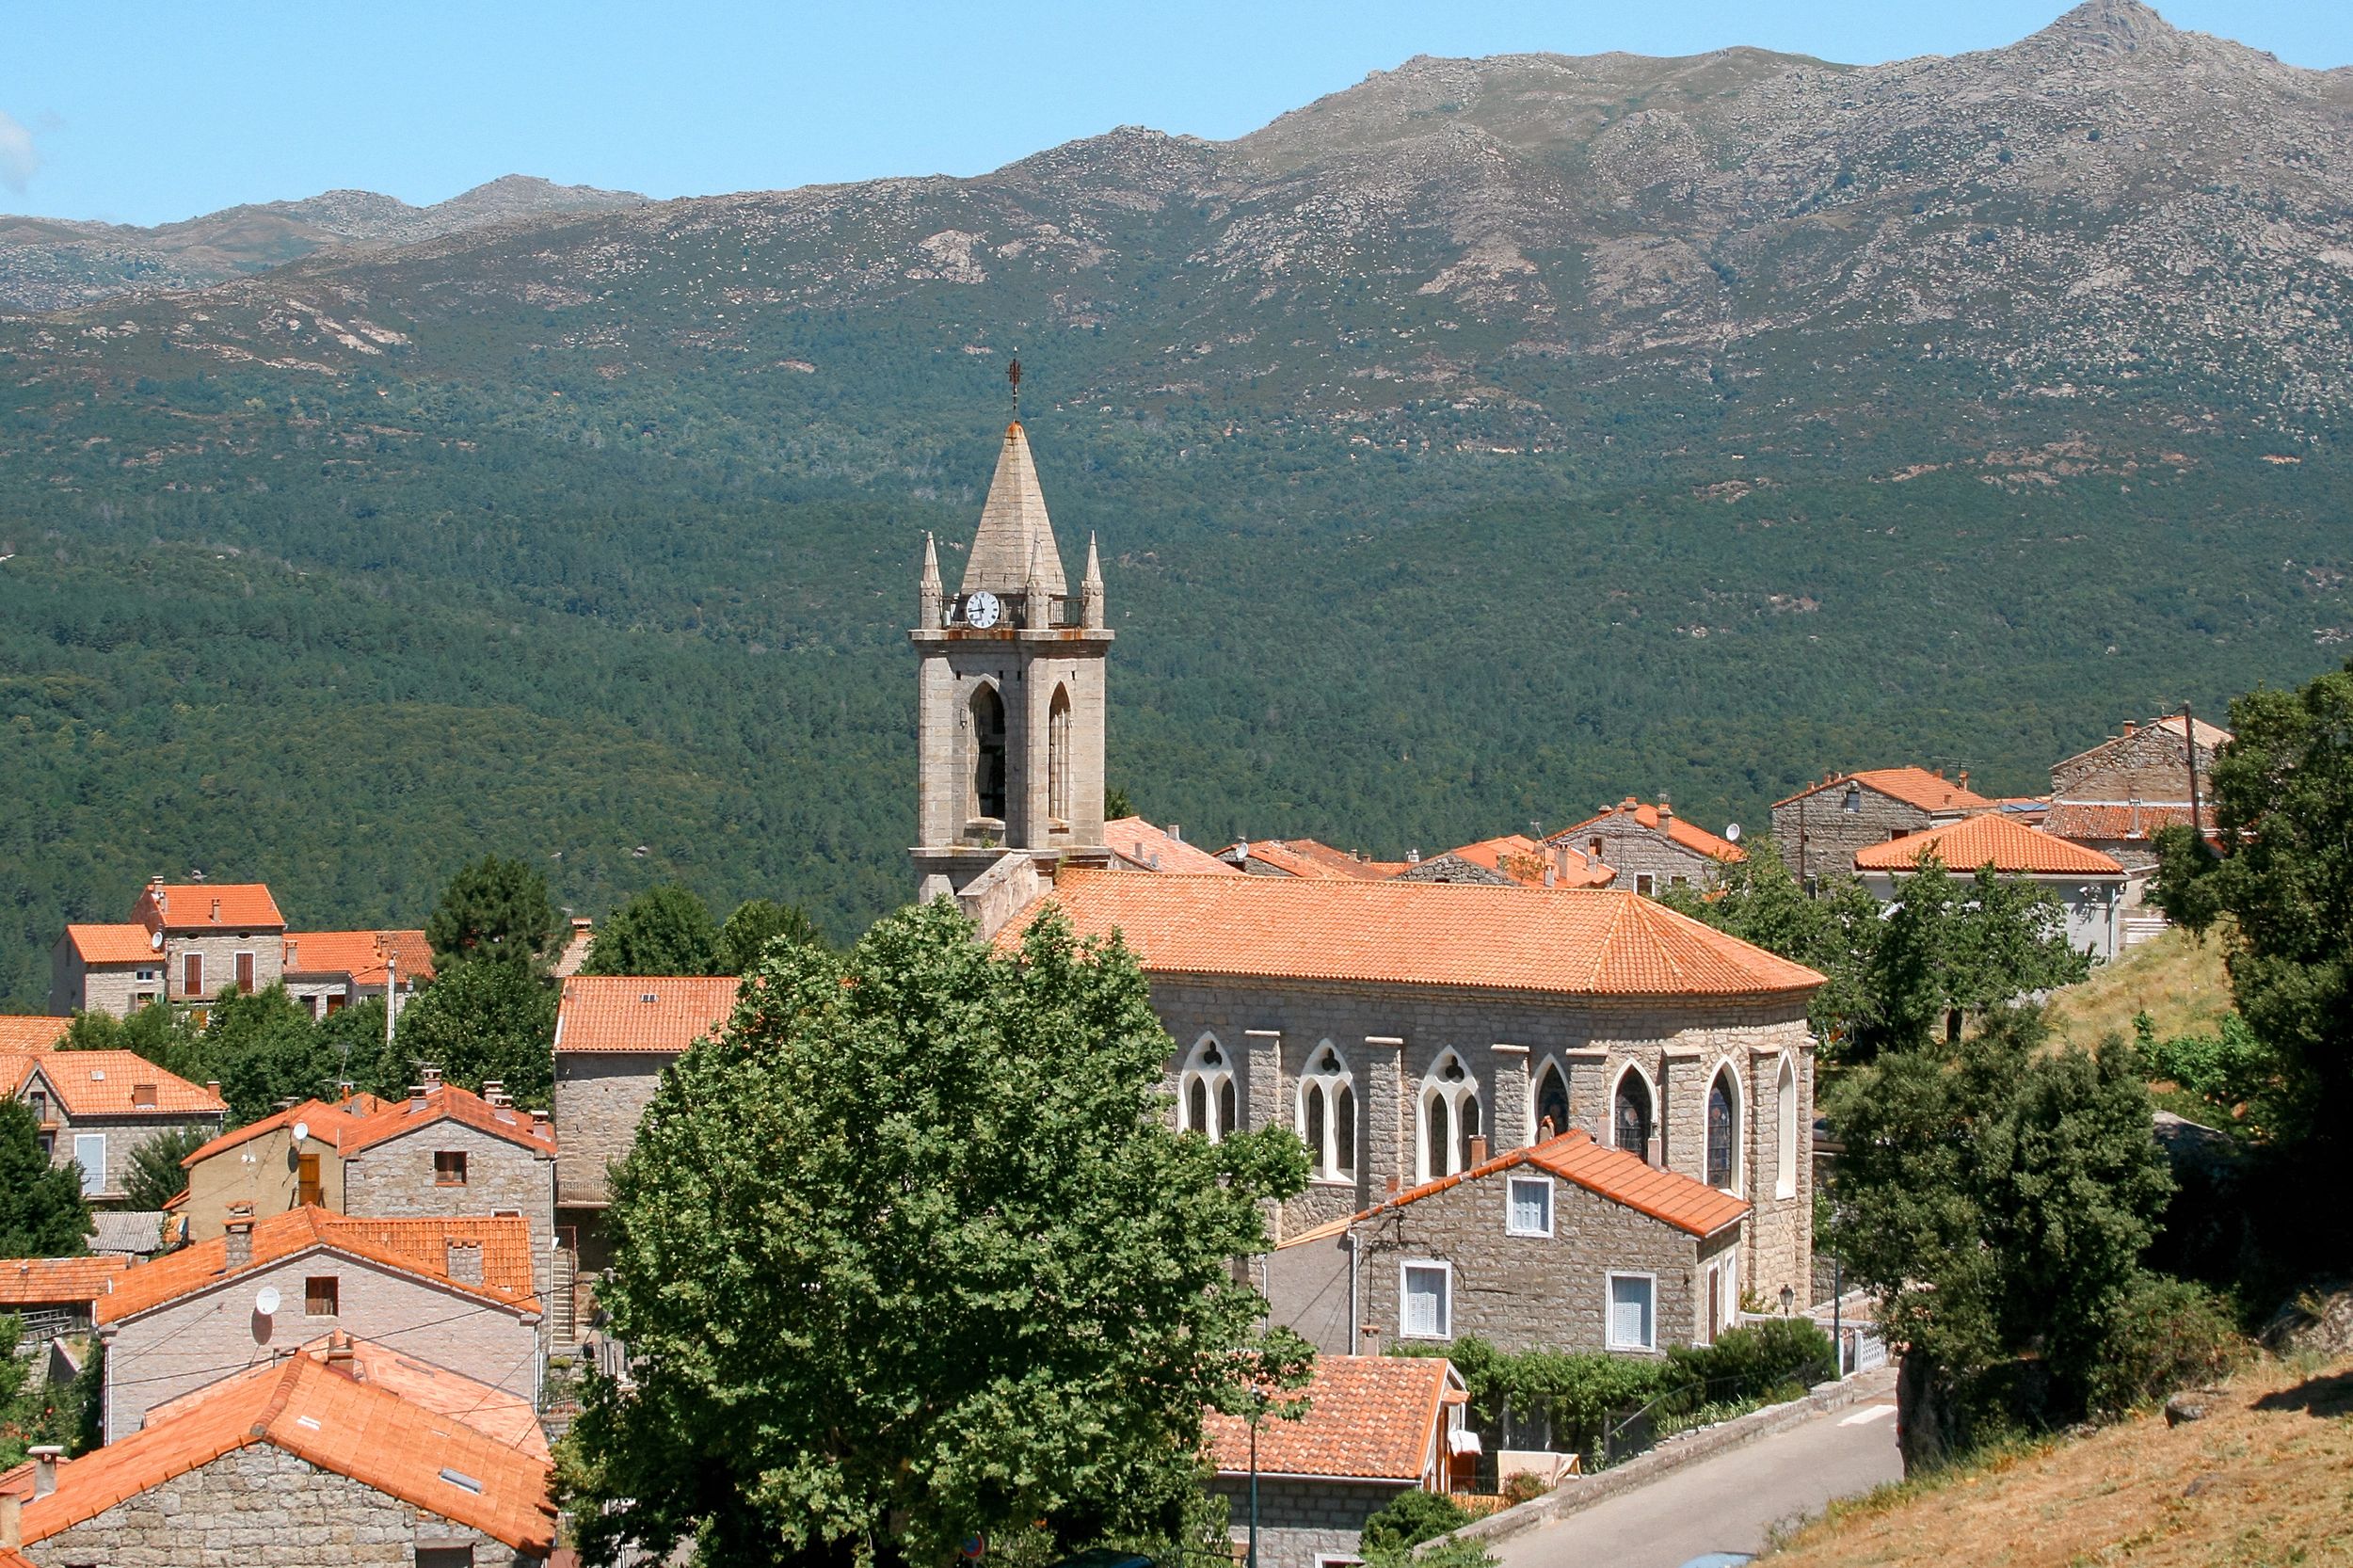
1091 590
1014 528
931 594
1037 605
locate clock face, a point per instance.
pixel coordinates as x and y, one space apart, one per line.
981 609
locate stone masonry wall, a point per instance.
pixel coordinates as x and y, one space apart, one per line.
1637 852
1392 1037
111 988
1300 1520
1522 1292
260 1504
1826 834
219 951
125 1136
161 1354
394 1179
2149 765
598 1097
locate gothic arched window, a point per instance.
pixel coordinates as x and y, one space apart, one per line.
1630 1115
1551 1103
1327 1114
1786 1128
1058 756
1206 1102
988 753
1449 1118
1724 1133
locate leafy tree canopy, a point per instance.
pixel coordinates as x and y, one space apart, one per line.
2283 804
665 930
476 1022
42 1210
265 1049
756 924
911 1250
155 1174
494 908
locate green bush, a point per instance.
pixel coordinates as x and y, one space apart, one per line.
1754 1360
2167 1334
1412 1518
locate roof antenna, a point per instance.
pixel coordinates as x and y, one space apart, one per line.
1013 373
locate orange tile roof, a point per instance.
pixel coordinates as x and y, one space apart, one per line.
2076 819
642 1013
1575 942
1145 847
113 944
416 1245
504 1417
31 1032
1988 839
1914 787
1370 1417
333 1421
208 906
1305 857
105 1083
1690 835
44 1281
327 1122
359 954
1668 1196
447 1102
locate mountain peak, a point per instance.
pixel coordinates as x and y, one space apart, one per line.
2114 27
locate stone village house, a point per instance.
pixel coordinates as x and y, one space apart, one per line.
1650 847
97 1108
1511 859
1821 827
201 938
1564 1245
1375 1425
2088 885
2116 796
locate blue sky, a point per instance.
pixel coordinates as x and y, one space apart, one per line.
143 113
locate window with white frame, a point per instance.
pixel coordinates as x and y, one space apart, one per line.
1527 1205
1327 1115
1785 1131
1426 1292
1449 1117
1633 1312
90 1154
1206 1102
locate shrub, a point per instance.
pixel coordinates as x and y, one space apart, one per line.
2167 1334
1412 1518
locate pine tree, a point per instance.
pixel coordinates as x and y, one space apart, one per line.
494 908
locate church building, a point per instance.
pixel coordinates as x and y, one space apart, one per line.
1407 1030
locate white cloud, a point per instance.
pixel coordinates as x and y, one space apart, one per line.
17 158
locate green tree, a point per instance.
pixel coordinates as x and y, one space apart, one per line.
494 908
354 1037
2283 805
757 923
1996 1197
158 1032
1759 900
42 1210
476 1022
1116 803
265 1049
155 1172
911 1250
663 930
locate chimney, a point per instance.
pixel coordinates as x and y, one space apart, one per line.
1413 856
11 1521
416 1098
338 1350
1964 779
1552 873
2128 726
215 911
238 1236
1665 810
45 1457
493 1092
538 1121
212 1087
1478 1151
432 1076
1177 831
465 1262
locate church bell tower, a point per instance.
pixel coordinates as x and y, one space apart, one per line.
1009 715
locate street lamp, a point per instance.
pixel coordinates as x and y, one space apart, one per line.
1788 1300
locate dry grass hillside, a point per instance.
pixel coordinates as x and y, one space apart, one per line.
2177 980
2265 1478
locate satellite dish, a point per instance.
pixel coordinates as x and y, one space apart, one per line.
301 1130
1732 833
265 1301
155 940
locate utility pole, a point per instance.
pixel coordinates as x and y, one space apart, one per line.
1258 1411
2189 749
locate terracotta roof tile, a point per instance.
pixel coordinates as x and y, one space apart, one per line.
641 1013
25 1032
208 906
1370 1418
1988 839
448 1102
1690 835
1305 857
1668 1196
417 1245
1575 942
2106 820
113 944
1145 847
359 954
1914 787
327 1122
46 1281
337 1423
109 1083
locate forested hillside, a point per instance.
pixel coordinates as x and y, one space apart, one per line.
1438 491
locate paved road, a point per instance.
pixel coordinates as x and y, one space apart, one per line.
1725 1504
